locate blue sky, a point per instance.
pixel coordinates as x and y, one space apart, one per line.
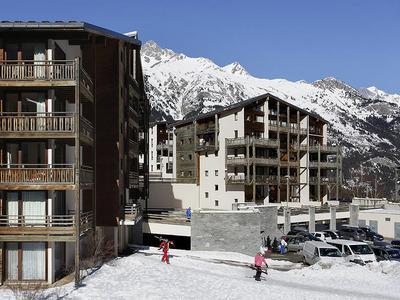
357 41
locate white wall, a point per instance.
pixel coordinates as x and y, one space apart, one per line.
173 195
225 195
386 220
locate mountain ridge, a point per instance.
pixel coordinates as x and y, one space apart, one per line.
365 121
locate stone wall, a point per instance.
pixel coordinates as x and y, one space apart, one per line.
234 231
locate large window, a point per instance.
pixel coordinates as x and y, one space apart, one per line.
30 258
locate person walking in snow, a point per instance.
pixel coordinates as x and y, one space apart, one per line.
259 261
283 246
165 244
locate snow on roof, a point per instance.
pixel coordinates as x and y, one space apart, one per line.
382 211
346 242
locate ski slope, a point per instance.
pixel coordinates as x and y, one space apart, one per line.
196 275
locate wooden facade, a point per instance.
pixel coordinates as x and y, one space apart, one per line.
72 107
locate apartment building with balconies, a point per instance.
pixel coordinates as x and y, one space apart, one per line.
262 150
161 151
72 111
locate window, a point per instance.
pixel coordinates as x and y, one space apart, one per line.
236 134
190 173
387 219
206 173
158 166
216 187
152 142
190 156
206 194
151 130
236 200
347 250
216 203
216 172
152 168
216 153
236 116
190 140
206 155
152 155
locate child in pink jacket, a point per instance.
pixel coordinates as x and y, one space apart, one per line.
259 260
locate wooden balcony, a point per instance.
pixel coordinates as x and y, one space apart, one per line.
236 179
324 148
323 165
37 177
323 180
44 125
47 73
60 228
259 142
266 179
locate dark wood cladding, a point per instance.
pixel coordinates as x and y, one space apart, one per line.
107 131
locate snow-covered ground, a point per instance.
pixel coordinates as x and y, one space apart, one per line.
196 275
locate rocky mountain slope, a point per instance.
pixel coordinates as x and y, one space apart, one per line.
365 121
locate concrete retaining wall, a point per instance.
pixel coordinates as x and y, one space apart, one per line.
235 231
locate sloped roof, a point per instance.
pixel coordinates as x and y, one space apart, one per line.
64 26
243 104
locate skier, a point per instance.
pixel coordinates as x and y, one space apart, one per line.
259 260
283 246
165 244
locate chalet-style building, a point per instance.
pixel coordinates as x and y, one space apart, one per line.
73 121
262 150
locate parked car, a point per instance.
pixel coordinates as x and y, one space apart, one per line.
371 235
308 236
385 253
352 233
332 233
319 251
381 244
353 251
395 243
323 236
295 243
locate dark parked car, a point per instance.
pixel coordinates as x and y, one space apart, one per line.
383 253
352 233
333 234
370 234
307 236
381 244
395 243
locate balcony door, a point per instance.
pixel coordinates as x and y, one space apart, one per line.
26 261
36 53
34 208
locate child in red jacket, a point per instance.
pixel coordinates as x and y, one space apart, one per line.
259 260
165 247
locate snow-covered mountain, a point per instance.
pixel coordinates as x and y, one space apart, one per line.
365 121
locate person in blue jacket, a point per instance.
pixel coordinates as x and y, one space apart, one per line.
188 212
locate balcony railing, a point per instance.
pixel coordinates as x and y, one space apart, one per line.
323 148
236 160
323 180
205 147
86 129
240 179
37 122
266 179
43 227
55 70
28 174
132 212
323 165
86 175
265 161
243 141
205 129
